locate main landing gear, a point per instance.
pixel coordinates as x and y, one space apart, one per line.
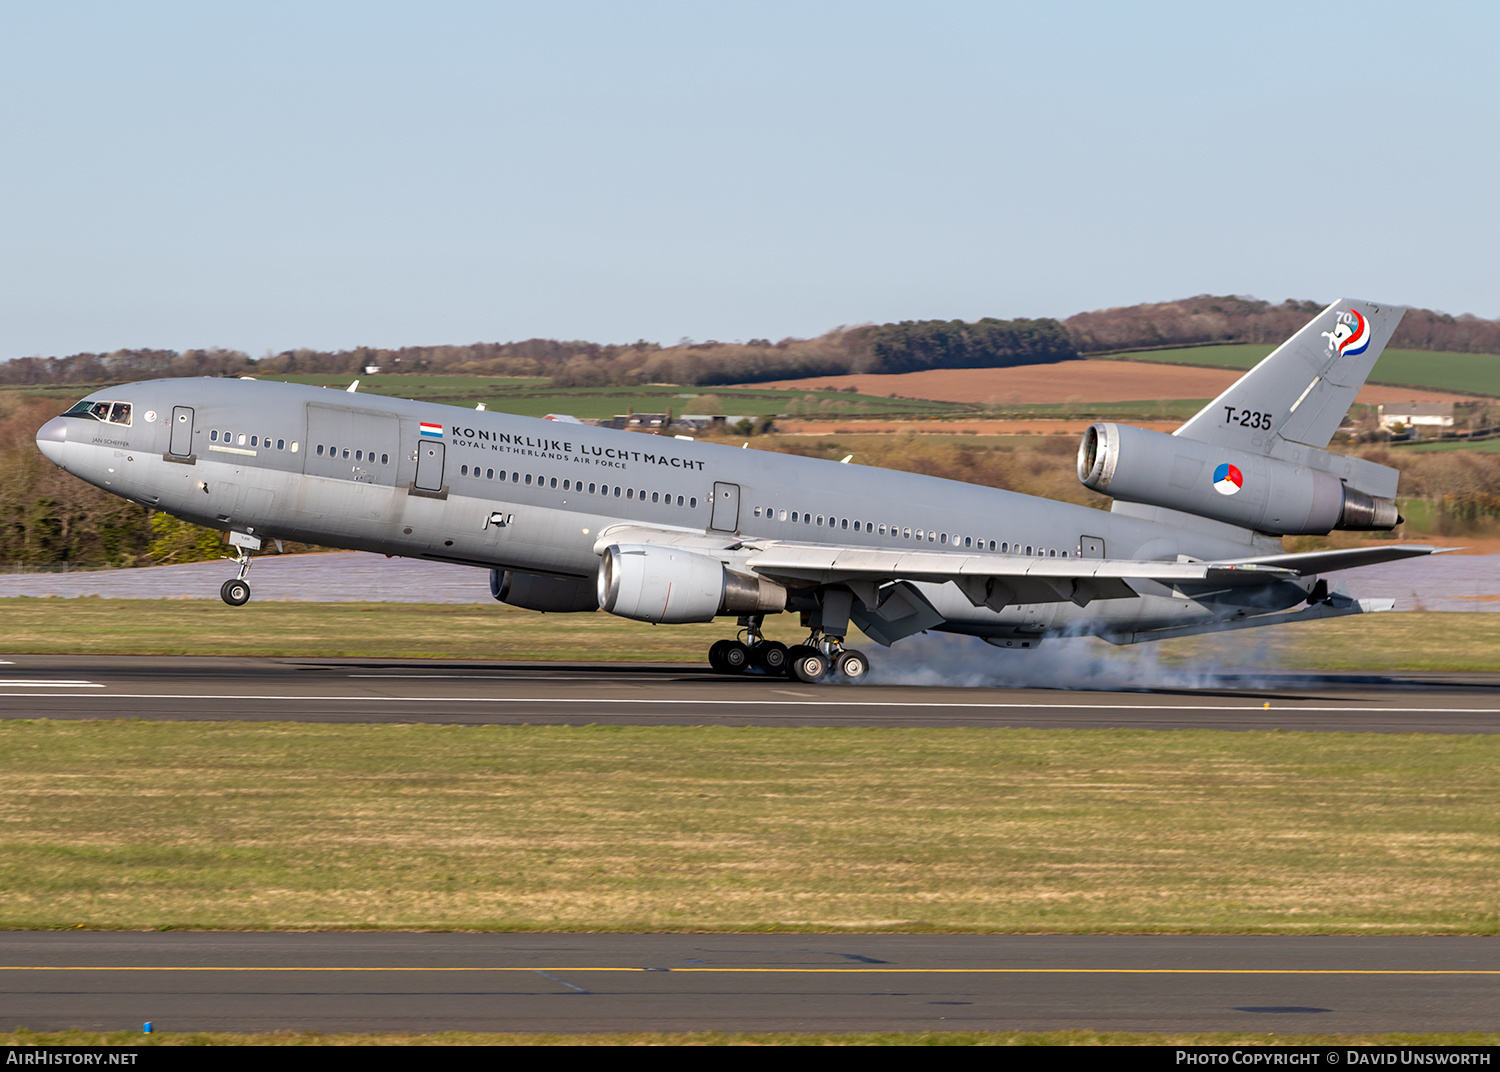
821 658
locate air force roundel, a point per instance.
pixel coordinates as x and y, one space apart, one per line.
1228 479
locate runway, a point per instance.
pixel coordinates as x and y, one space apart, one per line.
736 982
499 693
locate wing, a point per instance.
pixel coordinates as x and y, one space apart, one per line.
998 580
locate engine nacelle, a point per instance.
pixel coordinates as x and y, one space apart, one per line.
666 584
537 592
1250 490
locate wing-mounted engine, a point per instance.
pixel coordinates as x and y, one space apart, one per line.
1314 492
534 591
667 584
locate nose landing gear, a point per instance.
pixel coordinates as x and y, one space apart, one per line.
236 590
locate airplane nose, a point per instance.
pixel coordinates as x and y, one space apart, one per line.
51 437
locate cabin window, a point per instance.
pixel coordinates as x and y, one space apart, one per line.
591 489
463 470
296 446
944 539
693 502
489 474
320 450
554 482
617 491
679 500
1052 553
820 519
242 439
783 515
281 445
968 542
844 524
253 442
656 496
528 479
359 455
213 437
757 511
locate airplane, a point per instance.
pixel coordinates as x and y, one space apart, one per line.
572 518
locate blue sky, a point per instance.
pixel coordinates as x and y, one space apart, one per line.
265 176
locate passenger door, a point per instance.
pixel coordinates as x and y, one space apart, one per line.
726 512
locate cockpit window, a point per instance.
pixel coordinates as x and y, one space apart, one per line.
109 412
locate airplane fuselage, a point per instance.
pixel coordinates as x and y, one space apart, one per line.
504 492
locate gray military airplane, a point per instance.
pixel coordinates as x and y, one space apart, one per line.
568 517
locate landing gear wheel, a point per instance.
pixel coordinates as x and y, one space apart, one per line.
716 656
235 592
735 657
771 656
809 666
853 666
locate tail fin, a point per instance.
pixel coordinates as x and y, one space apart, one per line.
1302 391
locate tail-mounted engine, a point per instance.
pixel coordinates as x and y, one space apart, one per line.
665 584
1255 491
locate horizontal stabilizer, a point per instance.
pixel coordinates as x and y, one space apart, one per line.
1337 608
1305 562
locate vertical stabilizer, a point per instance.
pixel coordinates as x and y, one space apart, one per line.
1301 392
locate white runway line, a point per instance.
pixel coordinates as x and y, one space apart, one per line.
49 685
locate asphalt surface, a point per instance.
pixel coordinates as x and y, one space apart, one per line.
734 982
472 692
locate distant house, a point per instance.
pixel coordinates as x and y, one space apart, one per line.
1419 417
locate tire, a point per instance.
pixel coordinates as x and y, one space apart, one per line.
853 666
736 657
716 656
235 592
810 666
771 656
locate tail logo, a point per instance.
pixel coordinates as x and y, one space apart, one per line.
1350 336
1228 479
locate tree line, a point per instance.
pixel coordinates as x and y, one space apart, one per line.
907 346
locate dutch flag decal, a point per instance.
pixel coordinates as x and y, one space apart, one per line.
1228 479
434 431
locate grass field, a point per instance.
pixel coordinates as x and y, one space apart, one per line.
537 398
1485 445
277 826
1410 640
1469 373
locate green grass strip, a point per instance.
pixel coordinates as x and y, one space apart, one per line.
92 626
141 825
